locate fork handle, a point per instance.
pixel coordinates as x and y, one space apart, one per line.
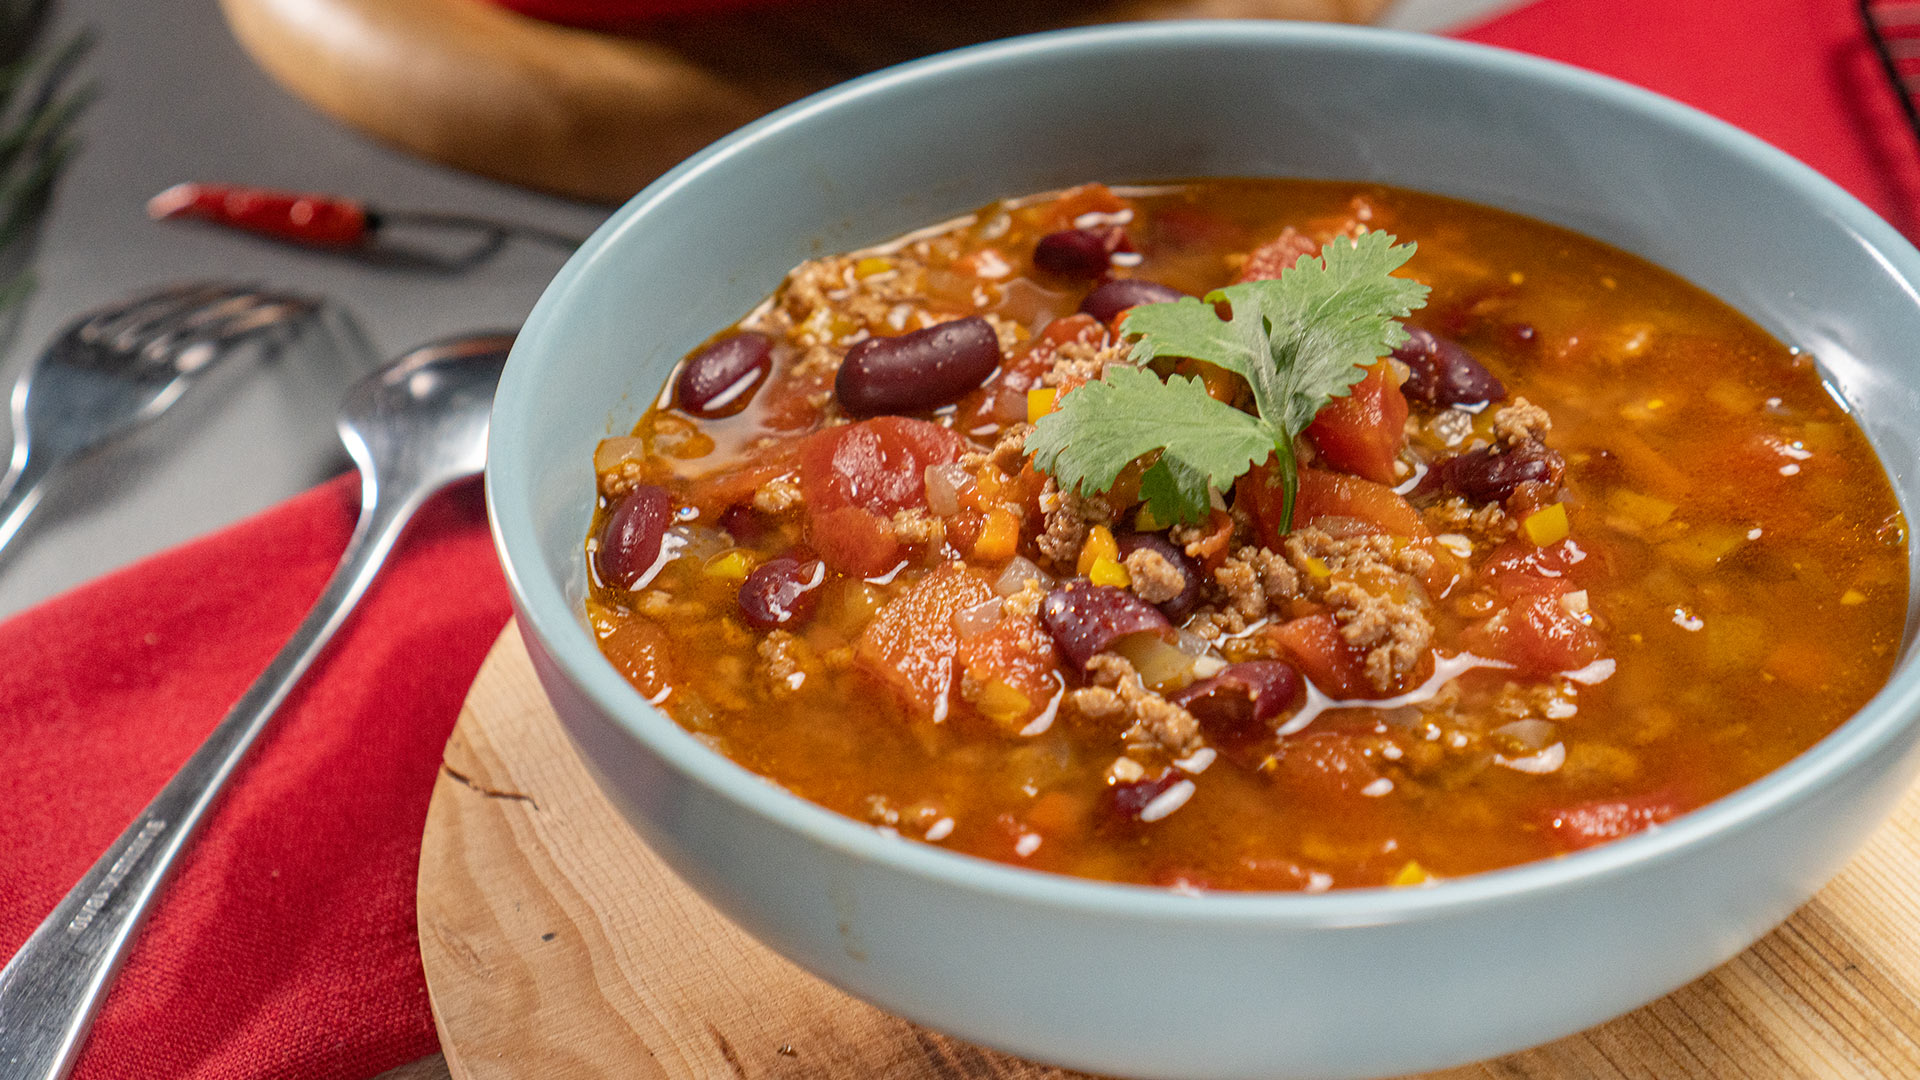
51 987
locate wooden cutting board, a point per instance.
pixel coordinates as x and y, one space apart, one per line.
595 116
557 946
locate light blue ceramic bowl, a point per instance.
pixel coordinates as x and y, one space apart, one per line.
1135 981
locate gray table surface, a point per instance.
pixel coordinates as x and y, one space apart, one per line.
180 102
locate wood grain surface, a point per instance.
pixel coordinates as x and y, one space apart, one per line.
557 946
596 116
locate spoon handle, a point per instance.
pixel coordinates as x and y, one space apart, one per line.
51 987
20 489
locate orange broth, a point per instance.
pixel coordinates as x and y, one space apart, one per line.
1739 558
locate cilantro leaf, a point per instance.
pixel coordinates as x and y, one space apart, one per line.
1102 426
1300 340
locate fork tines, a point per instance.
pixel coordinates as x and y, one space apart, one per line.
178 326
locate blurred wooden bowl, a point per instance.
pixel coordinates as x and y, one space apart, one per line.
596 116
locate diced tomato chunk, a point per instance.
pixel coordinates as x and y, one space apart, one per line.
1585 824
854 478
1323 494
1362 433
1332 494
1323 763
878 465
1538 635
1323 656
909 644
1517 568
856 542
1019 655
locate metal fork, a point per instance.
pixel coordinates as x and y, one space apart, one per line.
115 369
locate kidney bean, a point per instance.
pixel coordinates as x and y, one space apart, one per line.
1127 799
782 592
721 378
1084 619
918 371
1079 253
1118 295
1238 702
630 541
744 523
1486 477
1444 373
1181 606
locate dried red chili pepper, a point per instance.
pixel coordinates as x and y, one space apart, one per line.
444 242
314 220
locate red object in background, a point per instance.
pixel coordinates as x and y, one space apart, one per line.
286 946
623 14
311 220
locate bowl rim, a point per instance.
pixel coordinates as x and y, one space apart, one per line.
546 613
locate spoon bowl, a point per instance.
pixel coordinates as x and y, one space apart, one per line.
421 421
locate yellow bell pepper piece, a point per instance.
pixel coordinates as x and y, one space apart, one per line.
1105 571
733 565
1411 875
1547 525
1040 402
1100 545
1003 704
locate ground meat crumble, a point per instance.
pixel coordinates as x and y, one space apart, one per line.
1519 422
1154 577
1069 516
778 496
1153 722
1078 362
1373 586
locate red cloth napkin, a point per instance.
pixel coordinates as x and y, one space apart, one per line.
286 945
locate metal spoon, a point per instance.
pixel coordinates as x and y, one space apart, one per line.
413 428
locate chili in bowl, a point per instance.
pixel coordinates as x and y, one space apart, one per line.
1367 602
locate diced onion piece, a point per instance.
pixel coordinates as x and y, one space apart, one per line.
1018 572
978 619
1191 643
1538 764
700 542
1162 665
1040 402
1528 734
943 488
1547 525
616 451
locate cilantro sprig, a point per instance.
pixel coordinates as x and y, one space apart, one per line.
1299 341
